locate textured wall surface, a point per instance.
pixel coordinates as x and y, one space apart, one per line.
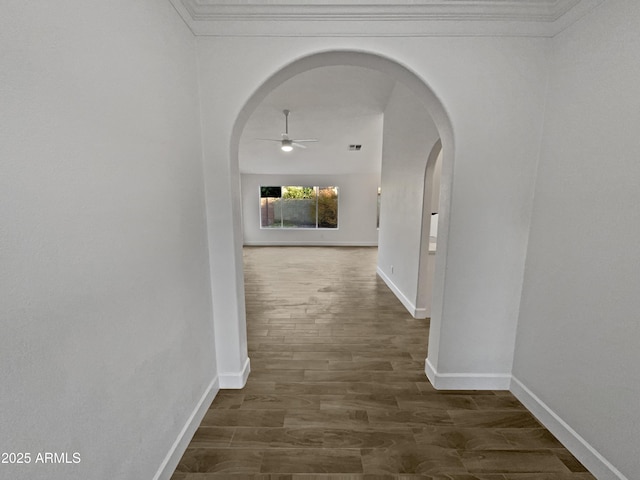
578 334
106 341
409 136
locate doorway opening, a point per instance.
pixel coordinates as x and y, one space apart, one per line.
405 277
429 232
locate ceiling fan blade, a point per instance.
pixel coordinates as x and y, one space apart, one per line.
287 142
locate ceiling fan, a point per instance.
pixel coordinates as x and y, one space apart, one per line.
286 143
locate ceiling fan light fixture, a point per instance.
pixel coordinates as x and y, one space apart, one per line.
287 143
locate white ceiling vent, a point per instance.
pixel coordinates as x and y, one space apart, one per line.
355 147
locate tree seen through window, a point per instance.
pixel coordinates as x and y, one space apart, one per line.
298 207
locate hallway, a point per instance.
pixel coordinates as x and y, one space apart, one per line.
338 390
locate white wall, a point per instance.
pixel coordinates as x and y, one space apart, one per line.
357 211
435 187
493 92
107 343
578 337
409 137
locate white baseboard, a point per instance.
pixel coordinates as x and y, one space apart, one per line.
599 466
408 304
466 381
421 313
170 462
327 243
235 380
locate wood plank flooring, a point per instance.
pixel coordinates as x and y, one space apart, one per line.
338 390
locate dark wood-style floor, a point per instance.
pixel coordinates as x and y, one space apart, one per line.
338 390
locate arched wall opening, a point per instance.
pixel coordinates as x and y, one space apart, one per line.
430 204
429 101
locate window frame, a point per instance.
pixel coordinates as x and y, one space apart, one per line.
316 189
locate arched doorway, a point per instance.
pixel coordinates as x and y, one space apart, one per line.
428 234
402 75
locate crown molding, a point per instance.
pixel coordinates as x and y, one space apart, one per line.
377 18
528 10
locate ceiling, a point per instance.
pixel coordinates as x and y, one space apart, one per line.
343 105
338 105
379 18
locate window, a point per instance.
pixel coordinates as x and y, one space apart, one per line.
298 207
